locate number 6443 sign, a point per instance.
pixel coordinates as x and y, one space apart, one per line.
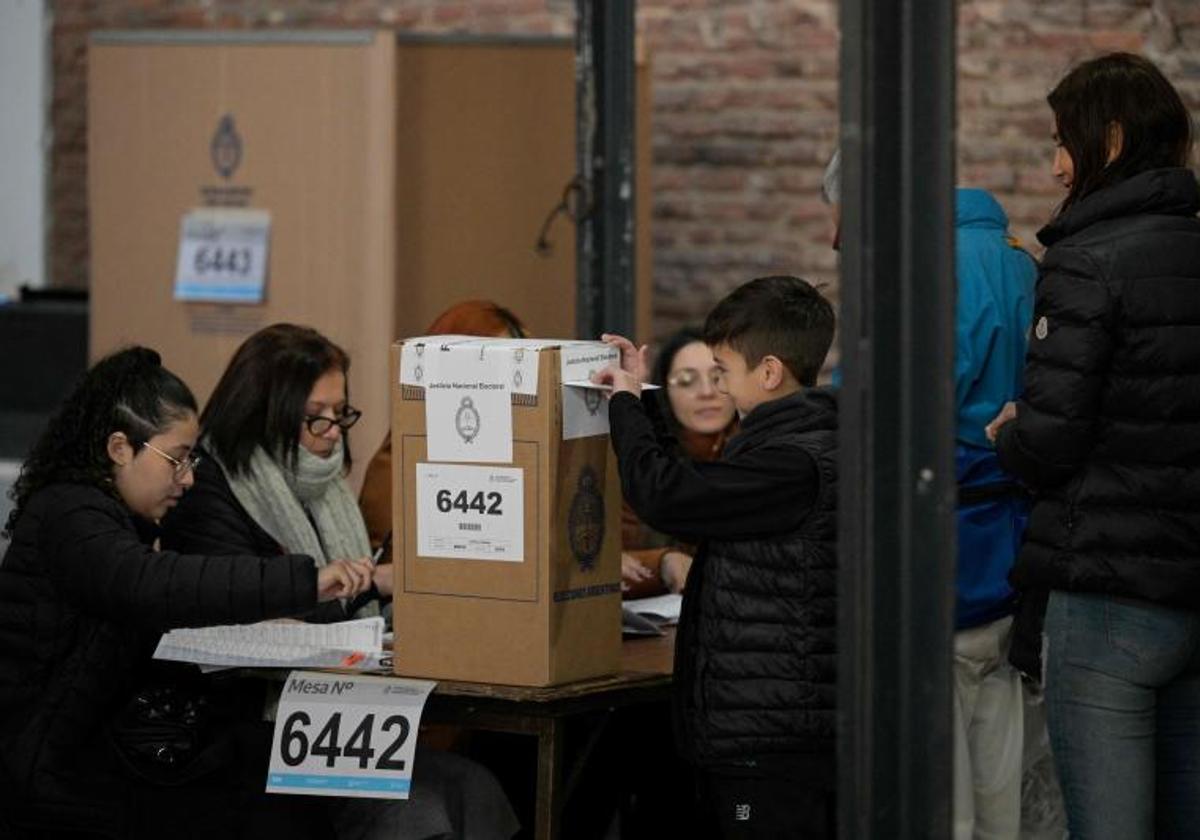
346 735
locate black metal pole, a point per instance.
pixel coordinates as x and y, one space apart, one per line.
604 105
897 538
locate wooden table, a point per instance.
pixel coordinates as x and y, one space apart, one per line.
645 677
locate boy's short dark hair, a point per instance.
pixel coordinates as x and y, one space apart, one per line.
779 316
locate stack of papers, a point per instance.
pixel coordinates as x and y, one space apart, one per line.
647 616
356 644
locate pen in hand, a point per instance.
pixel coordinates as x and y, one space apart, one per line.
382 550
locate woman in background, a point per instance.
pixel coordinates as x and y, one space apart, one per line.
700 419
1107 433
469 317
84 597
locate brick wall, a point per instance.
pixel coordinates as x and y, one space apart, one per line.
745 110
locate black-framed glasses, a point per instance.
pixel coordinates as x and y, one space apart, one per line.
319 424
182 466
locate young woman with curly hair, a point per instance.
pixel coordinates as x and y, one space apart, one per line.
84 596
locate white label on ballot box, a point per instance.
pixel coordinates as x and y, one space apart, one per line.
585 410
471 513
468 404
346 735
223 255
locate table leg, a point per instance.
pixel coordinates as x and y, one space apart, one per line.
549 806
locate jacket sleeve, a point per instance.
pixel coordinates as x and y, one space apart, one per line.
209 520
99 565
763 492
1065 371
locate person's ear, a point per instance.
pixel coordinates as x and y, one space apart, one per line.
772 373
1116 141
120 450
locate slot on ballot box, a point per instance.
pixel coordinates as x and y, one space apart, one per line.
506 512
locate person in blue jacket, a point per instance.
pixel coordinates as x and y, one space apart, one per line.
993 313
992 317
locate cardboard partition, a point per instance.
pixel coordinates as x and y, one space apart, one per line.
549 618
486 145
310 138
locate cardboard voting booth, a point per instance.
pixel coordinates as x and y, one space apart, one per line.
506 512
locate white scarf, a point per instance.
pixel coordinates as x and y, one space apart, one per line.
308 509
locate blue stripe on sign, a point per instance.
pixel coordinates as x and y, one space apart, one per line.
191 291
298 780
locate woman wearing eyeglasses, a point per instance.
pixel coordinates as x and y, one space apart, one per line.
701 418
274 475
273 480
84 596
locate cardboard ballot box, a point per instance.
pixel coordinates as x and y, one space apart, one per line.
506 512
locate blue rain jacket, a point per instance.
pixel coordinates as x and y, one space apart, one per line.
995 306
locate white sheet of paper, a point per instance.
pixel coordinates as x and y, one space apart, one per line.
522 358
346 735
413 368
468 404
222 255
585 411
471 513
663 608
278 644
580 383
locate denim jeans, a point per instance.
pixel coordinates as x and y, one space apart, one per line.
1123 702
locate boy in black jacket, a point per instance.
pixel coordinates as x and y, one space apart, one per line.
755 687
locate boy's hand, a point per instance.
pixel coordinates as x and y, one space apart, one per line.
633 359
620 380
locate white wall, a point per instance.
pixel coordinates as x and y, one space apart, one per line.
24 143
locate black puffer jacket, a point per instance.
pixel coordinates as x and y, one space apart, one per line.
83 600
755 656
1108 429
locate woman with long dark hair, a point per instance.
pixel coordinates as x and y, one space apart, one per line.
276 455
1107 433
84 597
273 479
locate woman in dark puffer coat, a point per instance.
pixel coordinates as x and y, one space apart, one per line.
1107 433
83 599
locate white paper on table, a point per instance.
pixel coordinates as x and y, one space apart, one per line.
664 609
585 411
279 644
471 513
468 406
636 624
